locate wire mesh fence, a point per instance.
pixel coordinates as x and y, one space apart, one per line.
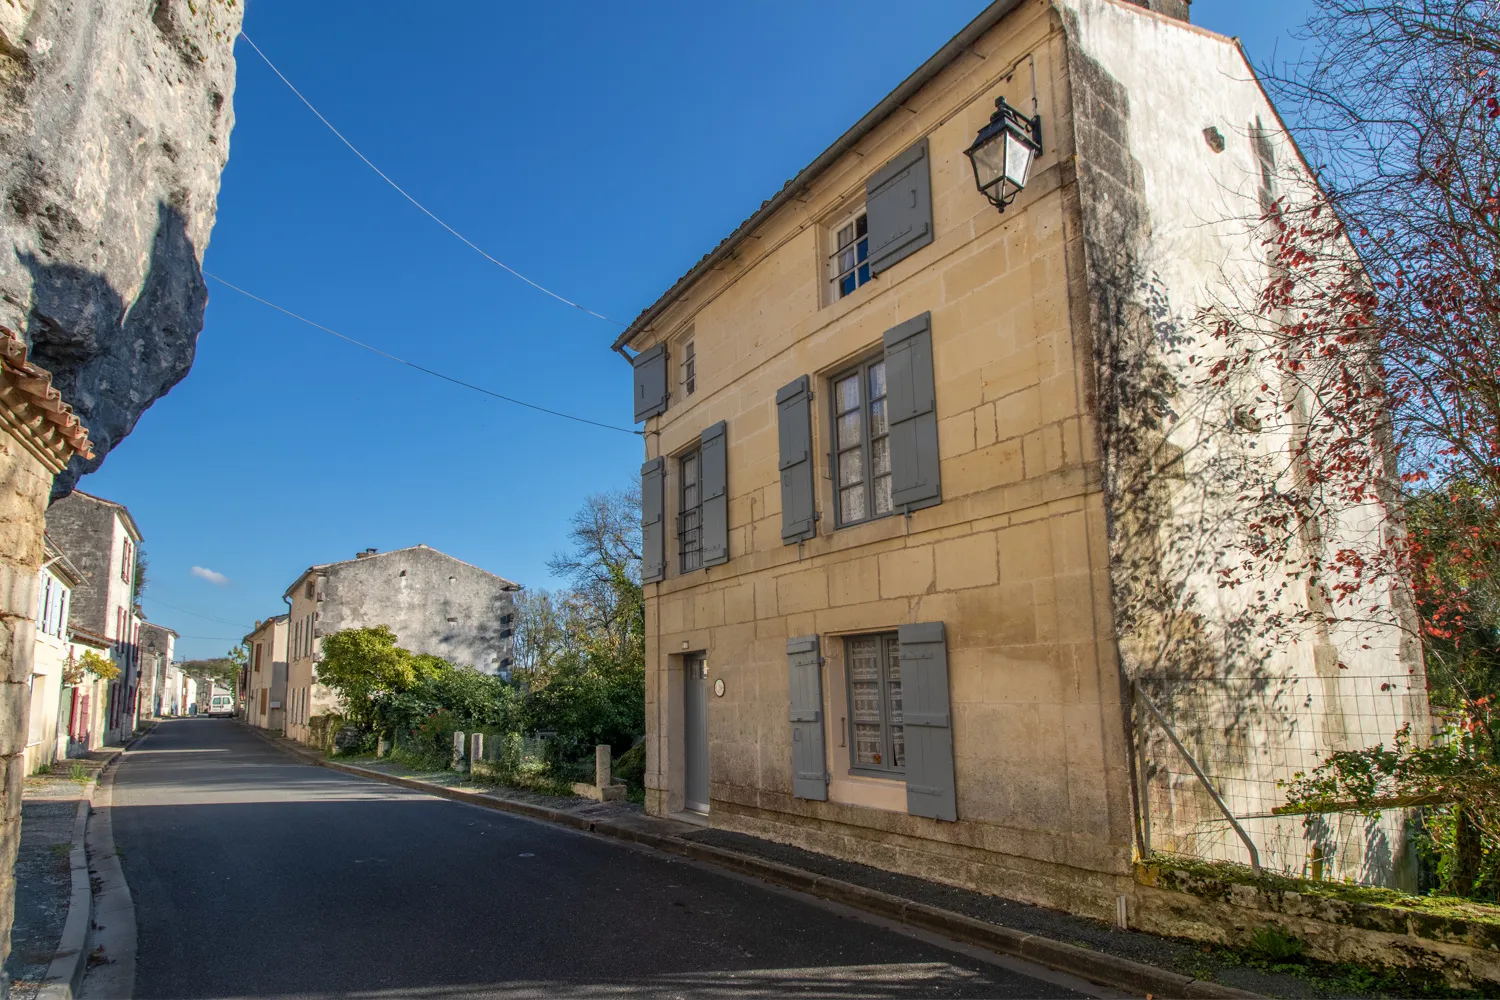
1251 736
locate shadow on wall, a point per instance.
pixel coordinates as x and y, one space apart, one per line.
111 359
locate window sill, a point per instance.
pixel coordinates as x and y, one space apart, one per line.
870 772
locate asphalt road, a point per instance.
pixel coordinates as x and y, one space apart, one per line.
256 875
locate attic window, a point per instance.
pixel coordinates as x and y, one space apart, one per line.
310 590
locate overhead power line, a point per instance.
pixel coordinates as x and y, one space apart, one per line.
420 368
407 195
195 614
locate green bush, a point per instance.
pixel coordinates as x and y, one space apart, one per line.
631 768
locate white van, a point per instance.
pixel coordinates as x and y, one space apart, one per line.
221 704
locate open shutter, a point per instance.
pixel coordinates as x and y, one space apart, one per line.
653 538
928 725
794 425
912 405
650 382
898 205
713 480
809 775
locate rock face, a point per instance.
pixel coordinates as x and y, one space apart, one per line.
114 127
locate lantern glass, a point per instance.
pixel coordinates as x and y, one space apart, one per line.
1018 155
989 163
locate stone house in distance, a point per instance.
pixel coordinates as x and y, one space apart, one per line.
880 540
265 674
435 604
101 538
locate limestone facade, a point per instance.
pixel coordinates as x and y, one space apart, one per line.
435 604
265 673
41 436
1014 561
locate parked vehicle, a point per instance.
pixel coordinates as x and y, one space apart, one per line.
221 703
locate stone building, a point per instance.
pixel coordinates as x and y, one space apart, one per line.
47 737
888 564
435 604
102 540
265 674
41 436
158 644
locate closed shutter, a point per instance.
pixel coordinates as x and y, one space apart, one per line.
794 425
928 727
650 382
713 480
809 775
898 205
912 405
653 537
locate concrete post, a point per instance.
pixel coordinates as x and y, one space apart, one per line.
602 768
458 751
476 748
382 746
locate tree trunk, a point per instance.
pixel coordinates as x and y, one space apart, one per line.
1468 854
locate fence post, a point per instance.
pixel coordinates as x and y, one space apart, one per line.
1143 762
602 776
458 751
382 745
476 749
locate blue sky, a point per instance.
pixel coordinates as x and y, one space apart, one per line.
599 149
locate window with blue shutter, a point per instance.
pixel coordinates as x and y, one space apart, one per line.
653 538
911 407
809 769
650 382
898 206
713 457
794 429
927 724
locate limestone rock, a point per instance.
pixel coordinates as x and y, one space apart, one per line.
114 127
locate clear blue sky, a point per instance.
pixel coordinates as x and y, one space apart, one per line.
598 148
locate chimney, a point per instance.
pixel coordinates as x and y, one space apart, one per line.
367 553
1170 8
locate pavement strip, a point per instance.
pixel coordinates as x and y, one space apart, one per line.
1083 970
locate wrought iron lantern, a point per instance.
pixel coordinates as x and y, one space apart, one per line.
1003 152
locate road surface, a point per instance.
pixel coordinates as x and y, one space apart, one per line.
257 875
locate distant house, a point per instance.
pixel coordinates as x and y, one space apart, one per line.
83 714
101 539
265 674
435 604
46 738
157 644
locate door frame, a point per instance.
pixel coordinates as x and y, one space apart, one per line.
695 662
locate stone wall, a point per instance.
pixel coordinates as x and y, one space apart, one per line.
25 485
114 127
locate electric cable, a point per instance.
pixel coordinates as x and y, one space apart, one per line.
195 614
420 368
421 207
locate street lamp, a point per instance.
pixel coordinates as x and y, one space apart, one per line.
1003 151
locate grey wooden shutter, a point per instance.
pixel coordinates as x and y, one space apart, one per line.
898 207
713 485
650 382
794 425
809 774
912 405
653 537
928 724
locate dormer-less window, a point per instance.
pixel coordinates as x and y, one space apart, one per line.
849 264
690 514
689 369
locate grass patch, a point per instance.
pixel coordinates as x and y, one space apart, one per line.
1161 869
